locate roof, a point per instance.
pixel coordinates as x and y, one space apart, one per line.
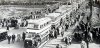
53 15
39 31
60 11
40 21
63 9
25 6
2 30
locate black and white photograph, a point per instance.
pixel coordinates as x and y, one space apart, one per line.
49 23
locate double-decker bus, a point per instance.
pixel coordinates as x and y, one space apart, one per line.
37 32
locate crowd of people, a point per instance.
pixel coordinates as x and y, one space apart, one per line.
96 34
13 22
55 32
68 40
17 38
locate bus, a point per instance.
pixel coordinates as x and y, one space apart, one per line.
37 32
3 34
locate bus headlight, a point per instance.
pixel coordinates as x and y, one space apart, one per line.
27 42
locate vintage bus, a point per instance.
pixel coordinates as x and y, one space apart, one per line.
37 32
3 34
55 19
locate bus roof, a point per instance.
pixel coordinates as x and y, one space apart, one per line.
40 21
39 31
53 15
63 9
2 30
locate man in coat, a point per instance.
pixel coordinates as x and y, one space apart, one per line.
9 38
23 36
13 38
55 34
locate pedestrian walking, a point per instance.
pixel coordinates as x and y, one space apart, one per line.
91 36
66 40
58 31
83 44
58 46
18 37
26 23
70 40
23 36
2 24
13 38
62 33
35 44
9 38
7 27
49 35
55 34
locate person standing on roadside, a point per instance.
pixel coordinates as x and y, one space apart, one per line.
83 44
58 46
9 38
23 36
13 38
7 27
70 40
62 33
66 40
18 37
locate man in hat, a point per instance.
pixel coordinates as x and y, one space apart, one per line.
23 36
9 38
13 38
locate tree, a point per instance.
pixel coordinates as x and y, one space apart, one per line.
89 22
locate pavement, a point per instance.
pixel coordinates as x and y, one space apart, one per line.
4 44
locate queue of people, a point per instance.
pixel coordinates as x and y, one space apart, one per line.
55 32
11 37
16 38
13 22
68 40
96 34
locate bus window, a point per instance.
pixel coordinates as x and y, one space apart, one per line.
53 27
33 35
37 35
38 38
30 25
28 35
35 26
40 26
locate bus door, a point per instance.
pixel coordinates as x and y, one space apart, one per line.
38 39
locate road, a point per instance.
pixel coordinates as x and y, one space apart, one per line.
4 44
